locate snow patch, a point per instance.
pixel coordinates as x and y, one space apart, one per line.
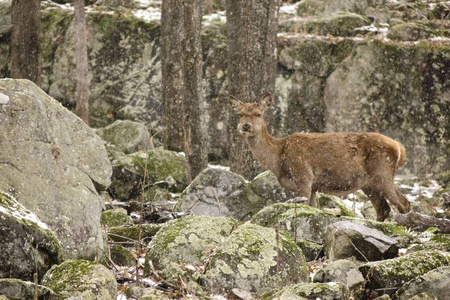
4 98
18 211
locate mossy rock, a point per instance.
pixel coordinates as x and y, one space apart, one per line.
334 205
343 271
411 31
158 164
128 136
115 217
306 222
186 241
431 285
28 245
338 24
131 233
217 192
311 251
267 187
16 289
324 291
81 278
437 241
390 275
253 258
122 256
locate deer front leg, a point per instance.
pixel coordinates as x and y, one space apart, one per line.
302 188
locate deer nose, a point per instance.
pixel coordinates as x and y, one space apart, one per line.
246 127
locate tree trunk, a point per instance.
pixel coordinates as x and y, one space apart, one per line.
172 36
25 40
82 101
196 144
181 59
251 29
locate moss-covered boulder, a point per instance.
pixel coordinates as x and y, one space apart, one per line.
434 283
338 24
433 241
122 256
186 241
217 192
158 164
301 222
27 244
346 239
15 289
115 217
311 250
253 258
127 136
131 233
324 291
81 278
389 275
343 271
267 187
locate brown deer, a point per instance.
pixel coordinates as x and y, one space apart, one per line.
333 163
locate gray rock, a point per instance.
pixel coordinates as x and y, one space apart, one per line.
387 276
122 256
156 165
216 192
53 163
252 259
323 291
343 271
301 222
15 289
434 285
81 278
346 239
27 244
115 217
187 240
127 136
267 187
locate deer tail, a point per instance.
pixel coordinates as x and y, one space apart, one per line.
401 155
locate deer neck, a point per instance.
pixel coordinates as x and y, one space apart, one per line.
266 150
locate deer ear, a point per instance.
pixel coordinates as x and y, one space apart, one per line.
266 101
235 104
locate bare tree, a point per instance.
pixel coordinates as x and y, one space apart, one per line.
181 56
251 29
82 107
25 40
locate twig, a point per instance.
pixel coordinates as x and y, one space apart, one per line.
354 246
217 199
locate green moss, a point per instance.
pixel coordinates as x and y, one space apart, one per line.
309 291
131 233
68 274
338 24
115 217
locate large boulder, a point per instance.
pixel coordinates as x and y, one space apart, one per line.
301 222
130 172
387 276
255 259
127 136
53 163
346 239
217 192
27 245
343 271
81 279
300 291
15 289
434 283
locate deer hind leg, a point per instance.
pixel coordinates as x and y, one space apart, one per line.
379 203
405 205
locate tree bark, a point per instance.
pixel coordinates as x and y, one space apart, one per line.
251 29
82 90
172 68
196 144
181 63
25 40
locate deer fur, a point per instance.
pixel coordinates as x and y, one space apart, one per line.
333 163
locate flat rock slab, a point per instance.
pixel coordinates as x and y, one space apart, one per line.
345 239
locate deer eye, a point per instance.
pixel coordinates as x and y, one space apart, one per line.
258 115
240 115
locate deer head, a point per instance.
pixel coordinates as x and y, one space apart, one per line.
251 121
